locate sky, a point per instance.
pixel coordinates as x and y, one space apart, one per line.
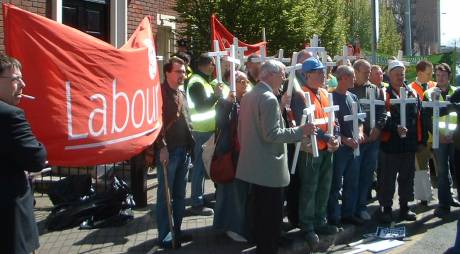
450 10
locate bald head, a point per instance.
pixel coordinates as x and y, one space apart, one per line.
303 55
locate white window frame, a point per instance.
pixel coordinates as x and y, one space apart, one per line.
118 20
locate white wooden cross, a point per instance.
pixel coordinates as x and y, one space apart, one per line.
355 116
291 70
311 120
436 104
372 101
314 48
239 51
324 60
233 63
331 114
218 55
344 56
402 101
263 55
308 112
281 58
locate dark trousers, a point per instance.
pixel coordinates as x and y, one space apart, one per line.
401 165
457 171
265 211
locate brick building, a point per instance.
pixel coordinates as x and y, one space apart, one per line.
110 20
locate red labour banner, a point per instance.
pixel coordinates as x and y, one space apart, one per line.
94 103
225 38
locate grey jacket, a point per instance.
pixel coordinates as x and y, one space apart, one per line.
263 138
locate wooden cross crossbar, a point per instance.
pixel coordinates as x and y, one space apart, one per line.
355 117
372 101
218 55
403 101
435 104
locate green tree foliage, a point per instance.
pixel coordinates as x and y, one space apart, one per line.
288 23
390 39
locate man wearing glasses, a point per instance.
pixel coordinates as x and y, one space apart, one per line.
19 151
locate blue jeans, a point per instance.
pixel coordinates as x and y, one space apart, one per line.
346 166
368 164
177 172
198 167
442 156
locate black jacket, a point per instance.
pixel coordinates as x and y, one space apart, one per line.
19 151
391 142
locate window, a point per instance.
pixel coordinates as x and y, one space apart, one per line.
91 17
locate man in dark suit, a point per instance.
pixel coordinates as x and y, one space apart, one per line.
263 155
19 152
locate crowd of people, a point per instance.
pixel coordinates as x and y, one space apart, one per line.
332 182
329 189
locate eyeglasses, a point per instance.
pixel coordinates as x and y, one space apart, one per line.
17 79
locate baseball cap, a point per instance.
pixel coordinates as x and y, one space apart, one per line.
394 64
312 64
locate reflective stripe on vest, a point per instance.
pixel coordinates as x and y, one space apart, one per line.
201 121
321 117
444 128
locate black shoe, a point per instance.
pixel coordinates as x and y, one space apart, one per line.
201 211
312 239
442 212
386 216
352 220
168 245
408 215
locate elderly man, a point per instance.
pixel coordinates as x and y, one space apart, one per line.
370 147
315 173
19 152
398 147
263 160
345 164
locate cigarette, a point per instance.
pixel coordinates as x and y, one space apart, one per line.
28 96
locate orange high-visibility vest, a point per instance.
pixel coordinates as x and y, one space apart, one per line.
385 136
419 89
321 118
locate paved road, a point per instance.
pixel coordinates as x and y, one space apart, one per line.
427 235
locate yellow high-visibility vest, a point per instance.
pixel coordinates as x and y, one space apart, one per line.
201 121
446 123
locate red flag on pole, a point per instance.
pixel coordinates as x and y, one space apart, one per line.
225 38
95 104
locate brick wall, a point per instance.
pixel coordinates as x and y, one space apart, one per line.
35 6
137 10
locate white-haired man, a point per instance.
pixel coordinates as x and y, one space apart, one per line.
263 159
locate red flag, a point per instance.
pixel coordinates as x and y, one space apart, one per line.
225 38
94 103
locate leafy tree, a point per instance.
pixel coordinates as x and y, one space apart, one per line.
288 23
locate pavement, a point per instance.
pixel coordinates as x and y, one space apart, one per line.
427 235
